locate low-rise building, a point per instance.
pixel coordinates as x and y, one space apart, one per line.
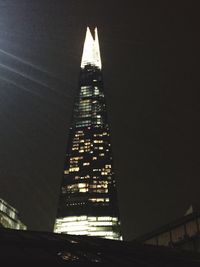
182 233
9 217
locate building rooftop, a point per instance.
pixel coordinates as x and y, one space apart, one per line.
190 215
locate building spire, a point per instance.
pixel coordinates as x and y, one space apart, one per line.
91 51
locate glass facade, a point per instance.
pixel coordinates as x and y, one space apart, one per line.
88 199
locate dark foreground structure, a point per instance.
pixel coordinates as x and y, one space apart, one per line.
26 248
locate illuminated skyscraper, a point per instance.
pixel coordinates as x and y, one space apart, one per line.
88 199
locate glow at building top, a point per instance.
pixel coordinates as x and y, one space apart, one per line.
91 51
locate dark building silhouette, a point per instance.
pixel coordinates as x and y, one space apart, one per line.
183 233
27 248
88 200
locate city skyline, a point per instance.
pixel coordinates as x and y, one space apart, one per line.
150 57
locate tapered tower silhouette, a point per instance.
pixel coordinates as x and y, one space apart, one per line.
88 198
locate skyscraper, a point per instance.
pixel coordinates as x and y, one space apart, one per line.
88 199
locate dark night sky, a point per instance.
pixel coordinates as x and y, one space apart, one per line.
150 61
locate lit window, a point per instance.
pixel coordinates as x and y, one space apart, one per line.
74 169
86 164
87 143
98 141
83 190
81 185
99 199
108 166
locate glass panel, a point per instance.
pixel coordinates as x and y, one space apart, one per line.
178 233
164 239
152 241
191 228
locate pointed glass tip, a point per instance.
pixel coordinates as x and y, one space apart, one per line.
91 51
